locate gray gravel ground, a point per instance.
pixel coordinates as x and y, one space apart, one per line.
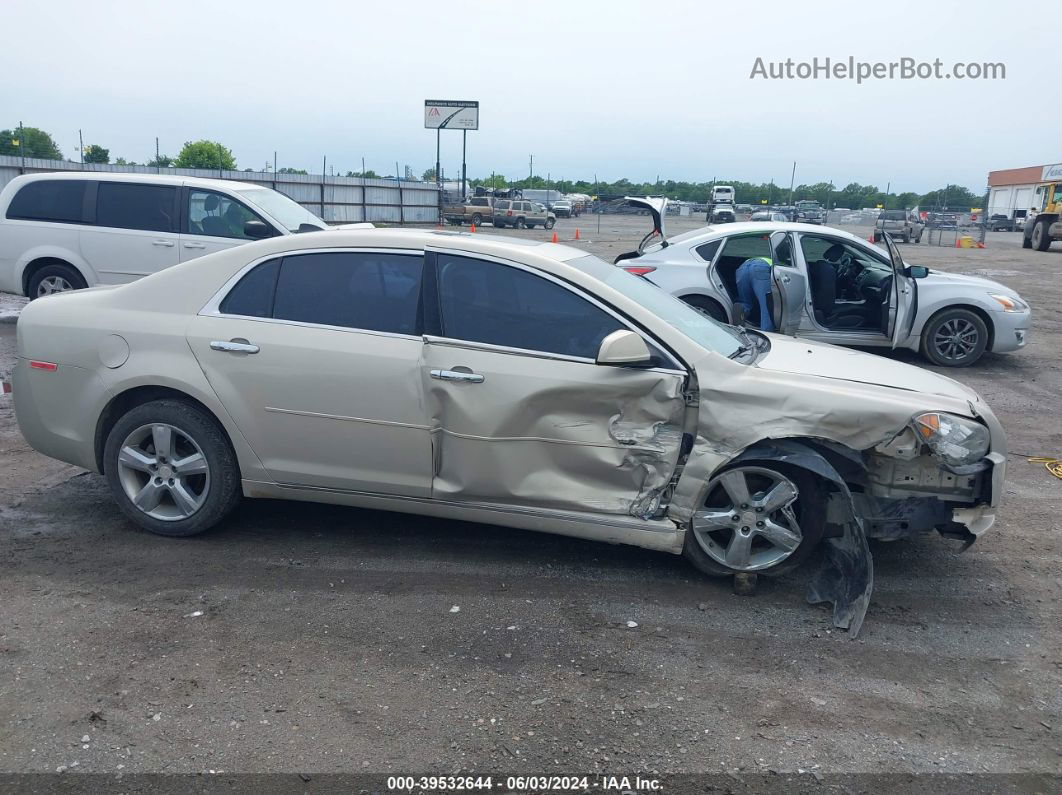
301 637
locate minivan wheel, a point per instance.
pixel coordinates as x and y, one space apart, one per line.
54 278
171 469
954 338
758 517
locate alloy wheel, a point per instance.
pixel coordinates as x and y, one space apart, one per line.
53 284
163 472
955 339
748 522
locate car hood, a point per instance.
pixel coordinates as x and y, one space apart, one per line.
958 280
789 355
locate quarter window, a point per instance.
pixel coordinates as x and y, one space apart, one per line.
499 305
377 292
253 294
128 205
707 250
217 215
57 200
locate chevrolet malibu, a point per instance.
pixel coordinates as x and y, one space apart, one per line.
518 383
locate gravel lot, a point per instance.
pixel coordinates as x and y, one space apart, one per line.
308 638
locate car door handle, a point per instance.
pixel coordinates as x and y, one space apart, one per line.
234 346
786 280
457 375
195 245
166 243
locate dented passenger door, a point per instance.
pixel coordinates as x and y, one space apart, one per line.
521 415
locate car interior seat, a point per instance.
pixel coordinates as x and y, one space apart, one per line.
823 276
213 224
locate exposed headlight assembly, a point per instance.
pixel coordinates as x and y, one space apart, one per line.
1009 303
958 442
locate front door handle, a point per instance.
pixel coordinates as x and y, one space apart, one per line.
234 346
457 375
166 243
195 245
786 280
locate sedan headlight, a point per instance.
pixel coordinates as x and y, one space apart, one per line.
955 440
1009 303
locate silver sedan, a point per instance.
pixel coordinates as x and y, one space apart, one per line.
832 286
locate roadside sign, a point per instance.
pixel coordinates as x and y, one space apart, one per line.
446 114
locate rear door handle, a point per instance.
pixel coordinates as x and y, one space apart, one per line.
234 346
166 243
457 375
195 245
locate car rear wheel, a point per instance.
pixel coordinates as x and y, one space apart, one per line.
54 278
170 468
954 338
520 223
707 306
477 219
757 517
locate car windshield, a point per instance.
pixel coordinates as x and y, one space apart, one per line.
700 328
288 213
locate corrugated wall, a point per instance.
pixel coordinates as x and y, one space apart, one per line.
335 199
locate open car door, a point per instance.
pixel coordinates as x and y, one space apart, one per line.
904 299
657 208
790 285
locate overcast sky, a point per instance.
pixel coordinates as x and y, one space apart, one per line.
614 88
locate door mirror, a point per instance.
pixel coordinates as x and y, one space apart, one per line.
916 271
255 230
624 347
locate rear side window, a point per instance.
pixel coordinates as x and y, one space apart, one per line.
253 294
707 250
378 292
487 302
127 205
57 200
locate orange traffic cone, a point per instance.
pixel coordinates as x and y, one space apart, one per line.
473 228
957 243
554 238
576 234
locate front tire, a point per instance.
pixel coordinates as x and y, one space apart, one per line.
954 338
171 469
56 277
1041 238
761 517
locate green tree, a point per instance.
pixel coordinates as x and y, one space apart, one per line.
367 174
121 161
286 170
162 161
31 143
94 153
428 175
205 154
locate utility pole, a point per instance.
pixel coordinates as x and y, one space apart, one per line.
22 145
531 170
158 165
81 145
464 165
888 190
792 179
274 161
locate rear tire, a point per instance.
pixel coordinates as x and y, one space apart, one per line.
707 306
550 223
520 223
135 463
56 277
804 517
477 219
1041 238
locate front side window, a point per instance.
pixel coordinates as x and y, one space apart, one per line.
56 200
217 215
128 205
376 292
482 301
838 254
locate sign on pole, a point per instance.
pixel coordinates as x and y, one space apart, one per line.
446 114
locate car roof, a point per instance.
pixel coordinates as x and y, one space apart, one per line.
150 179
712 232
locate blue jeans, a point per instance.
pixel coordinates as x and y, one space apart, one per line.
753 286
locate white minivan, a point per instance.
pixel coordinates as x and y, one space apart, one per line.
68 230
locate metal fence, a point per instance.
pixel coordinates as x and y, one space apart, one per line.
335 199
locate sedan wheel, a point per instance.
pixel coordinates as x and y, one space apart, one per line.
754 519
171 468
955 338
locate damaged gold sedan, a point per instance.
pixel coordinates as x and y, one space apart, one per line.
505 381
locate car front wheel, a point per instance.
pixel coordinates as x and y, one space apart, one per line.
757 517
170 468
955 338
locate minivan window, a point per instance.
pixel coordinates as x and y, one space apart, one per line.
130 205
289 213
217 215
496 304
362 290
56 200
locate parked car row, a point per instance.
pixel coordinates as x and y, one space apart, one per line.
517 213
